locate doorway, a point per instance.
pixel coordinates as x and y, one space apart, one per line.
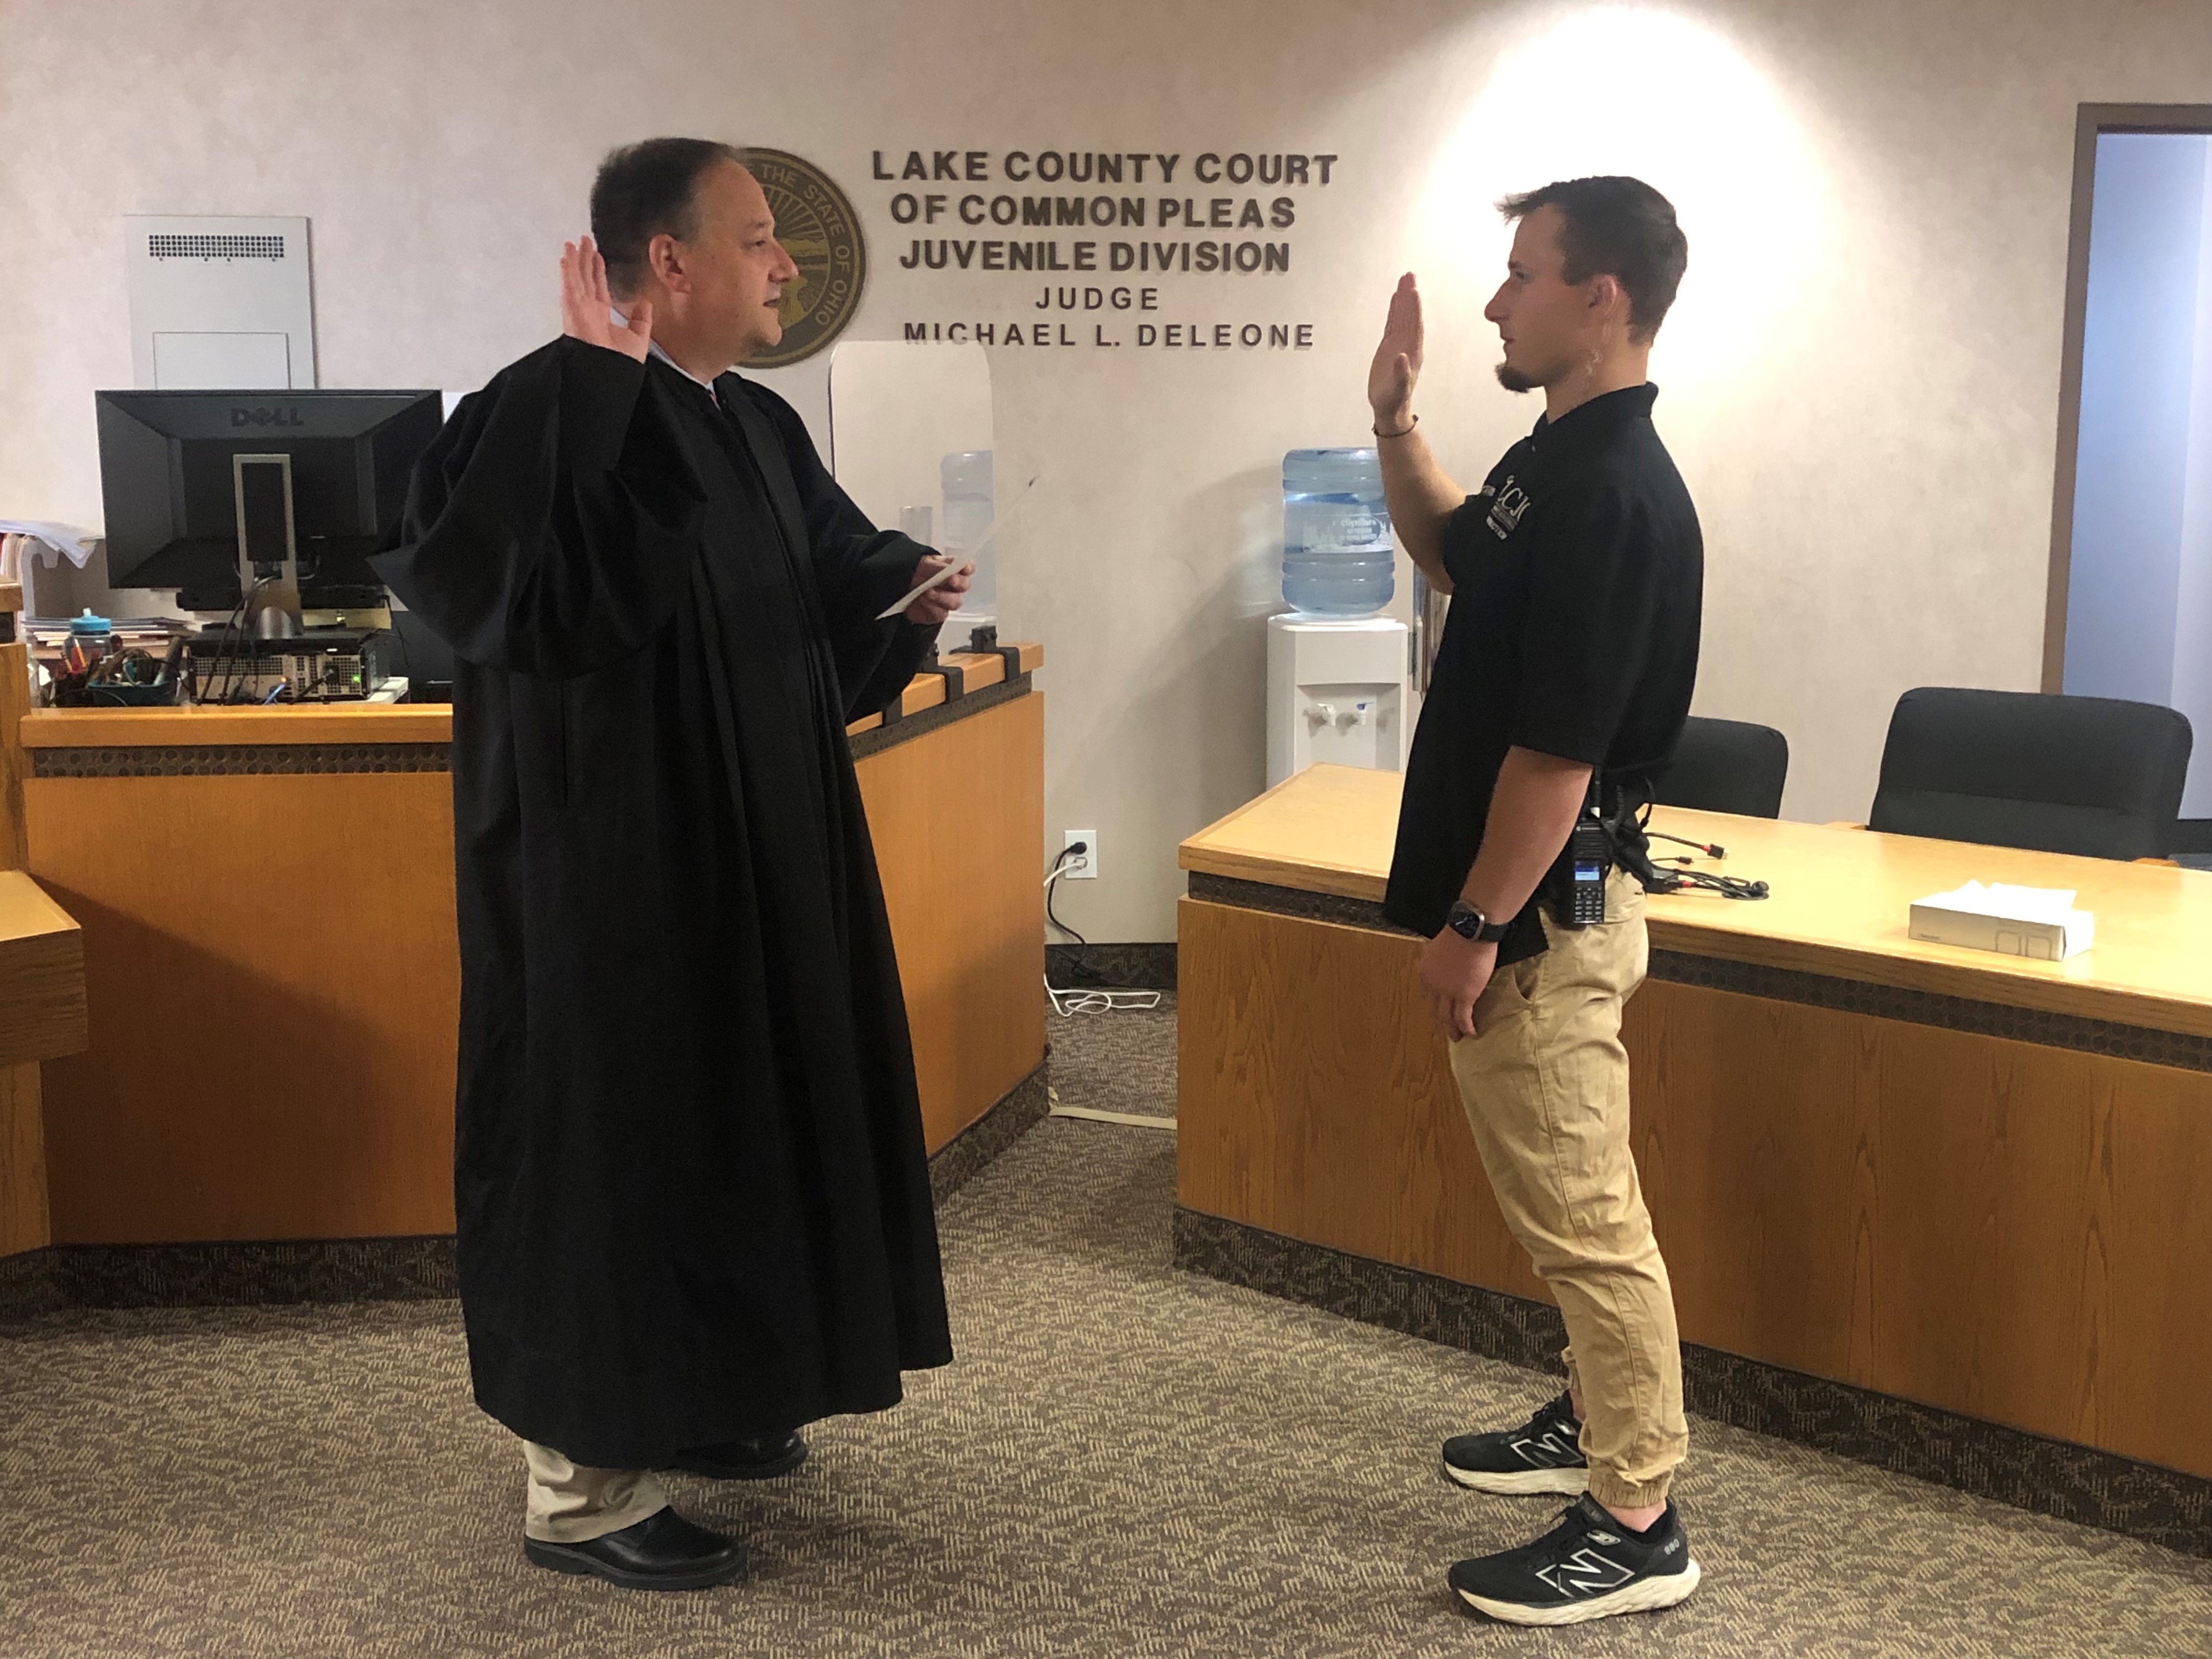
2131 568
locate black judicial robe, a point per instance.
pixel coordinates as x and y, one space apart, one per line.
689 1169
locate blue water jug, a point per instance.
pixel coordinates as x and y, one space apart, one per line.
1337 556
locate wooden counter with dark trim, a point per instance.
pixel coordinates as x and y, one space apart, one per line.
266 902
1882 1171
42 1016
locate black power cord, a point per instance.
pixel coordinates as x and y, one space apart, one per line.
229 652
1734 887
1637 861
1679 841
232 651
205 693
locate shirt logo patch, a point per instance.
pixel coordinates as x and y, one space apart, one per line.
1506 511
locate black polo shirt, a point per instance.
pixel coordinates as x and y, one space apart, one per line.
1577 582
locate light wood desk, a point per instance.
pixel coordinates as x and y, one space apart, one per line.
267 904
41 1017
42 1004
1972 1182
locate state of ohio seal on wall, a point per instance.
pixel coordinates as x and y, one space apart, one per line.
818 227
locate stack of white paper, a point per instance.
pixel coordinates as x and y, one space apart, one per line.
48 540
2041 922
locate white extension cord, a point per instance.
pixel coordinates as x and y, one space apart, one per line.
1077 1000
1081 1000
1092 1114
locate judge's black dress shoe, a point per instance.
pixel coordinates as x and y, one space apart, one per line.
663 1551
745 1460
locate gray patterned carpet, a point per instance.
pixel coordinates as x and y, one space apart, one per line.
1124 1463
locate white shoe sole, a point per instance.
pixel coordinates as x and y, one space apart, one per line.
1645 1595
1522 1482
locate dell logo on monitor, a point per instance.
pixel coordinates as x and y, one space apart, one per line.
265 417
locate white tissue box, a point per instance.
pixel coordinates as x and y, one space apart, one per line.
2040 923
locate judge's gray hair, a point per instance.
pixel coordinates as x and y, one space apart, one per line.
646 190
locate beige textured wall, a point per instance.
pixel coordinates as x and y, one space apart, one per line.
1860 383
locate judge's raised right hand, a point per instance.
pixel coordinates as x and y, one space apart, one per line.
587 306
1397 363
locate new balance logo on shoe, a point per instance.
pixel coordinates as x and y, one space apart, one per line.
1582 1569
1550 1451
1587 1573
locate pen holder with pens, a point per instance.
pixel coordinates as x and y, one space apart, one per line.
94 674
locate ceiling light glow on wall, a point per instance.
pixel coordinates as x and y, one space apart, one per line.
1622 90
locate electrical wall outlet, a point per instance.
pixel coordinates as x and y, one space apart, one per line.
1084 865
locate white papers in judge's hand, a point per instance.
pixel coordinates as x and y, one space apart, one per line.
962 555
2041 923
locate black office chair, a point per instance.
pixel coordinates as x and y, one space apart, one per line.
1725 766
2095 776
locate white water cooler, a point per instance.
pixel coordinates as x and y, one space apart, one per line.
1337 692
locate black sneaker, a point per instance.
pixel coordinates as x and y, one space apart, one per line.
1545 1454
1588 1566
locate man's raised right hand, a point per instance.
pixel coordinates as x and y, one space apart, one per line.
588 308
1397 363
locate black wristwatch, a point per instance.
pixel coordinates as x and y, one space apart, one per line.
1470 923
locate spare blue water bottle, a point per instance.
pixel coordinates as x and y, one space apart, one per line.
1337 555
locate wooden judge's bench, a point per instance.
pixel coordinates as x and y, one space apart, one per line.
265 898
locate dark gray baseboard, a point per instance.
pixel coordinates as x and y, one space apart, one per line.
238 1272
960 1159
29 1286
1111 967
232 1273
2048 1477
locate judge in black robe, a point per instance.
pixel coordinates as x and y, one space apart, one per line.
693 1201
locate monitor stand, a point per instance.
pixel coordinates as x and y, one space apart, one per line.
268 535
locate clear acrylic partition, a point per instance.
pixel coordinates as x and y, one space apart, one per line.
896 411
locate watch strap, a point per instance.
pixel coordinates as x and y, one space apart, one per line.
1488 932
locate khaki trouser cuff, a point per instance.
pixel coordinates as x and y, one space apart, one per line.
1615 1494
570 1503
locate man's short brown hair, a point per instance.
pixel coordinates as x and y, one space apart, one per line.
646 190
1617 228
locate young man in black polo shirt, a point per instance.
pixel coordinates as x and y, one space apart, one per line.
1569 657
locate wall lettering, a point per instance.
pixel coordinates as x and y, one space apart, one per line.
1196 230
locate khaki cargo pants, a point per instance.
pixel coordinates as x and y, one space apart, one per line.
1545 1081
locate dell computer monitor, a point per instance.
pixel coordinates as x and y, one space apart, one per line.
321 476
